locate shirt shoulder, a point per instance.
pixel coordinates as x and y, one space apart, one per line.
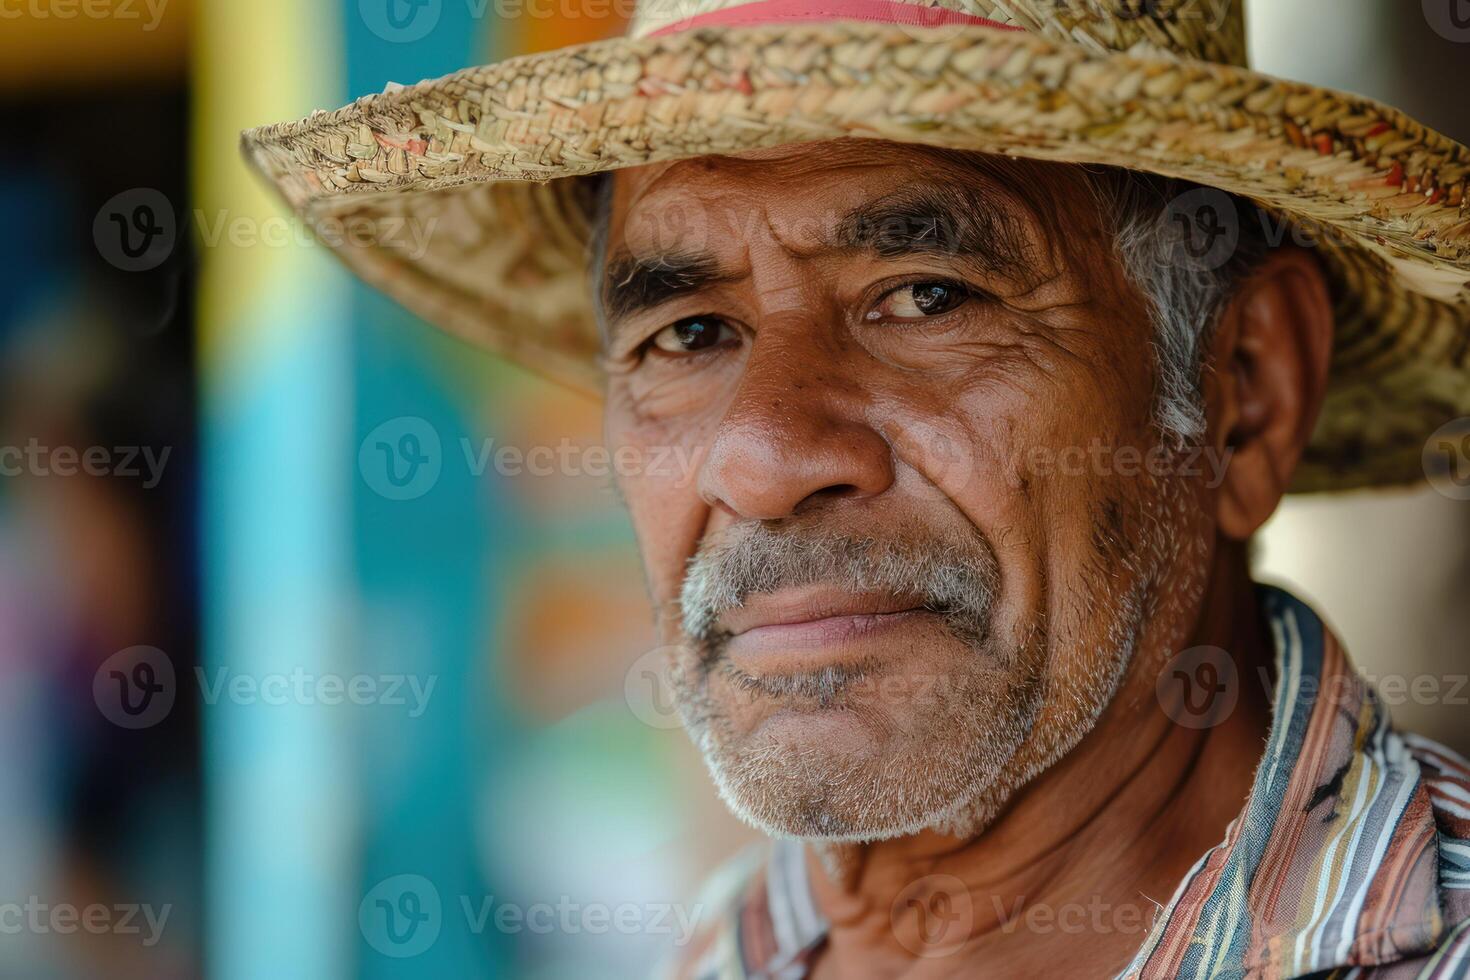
761 919
713 951
1446 778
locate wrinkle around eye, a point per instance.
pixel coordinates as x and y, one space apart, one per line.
1057 290
996 345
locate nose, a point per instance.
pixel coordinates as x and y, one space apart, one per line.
793 434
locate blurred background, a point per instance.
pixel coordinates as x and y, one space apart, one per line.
272 710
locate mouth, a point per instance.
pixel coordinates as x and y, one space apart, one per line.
803 630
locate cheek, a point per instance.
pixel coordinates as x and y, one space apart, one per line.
965 446
659 485
1015 464
664 395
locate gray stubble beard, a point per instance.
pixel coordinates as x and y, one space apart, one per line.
991 744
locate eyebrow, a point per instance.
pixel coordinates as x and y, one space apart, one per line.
942 221
935 220
633 284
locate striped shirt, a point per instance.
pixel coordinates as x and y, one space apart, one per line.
1350 860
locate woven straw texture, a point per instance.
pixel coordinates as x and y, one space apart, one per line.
460 196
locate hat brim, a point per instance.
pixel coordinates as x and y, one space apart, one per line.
458 196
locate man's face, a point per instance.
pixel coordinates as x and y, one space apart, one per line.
921 544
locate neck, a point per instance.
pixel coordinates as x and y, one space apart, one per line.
1066 880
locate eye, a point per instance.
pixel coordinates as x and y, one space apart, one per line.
916 300
693 334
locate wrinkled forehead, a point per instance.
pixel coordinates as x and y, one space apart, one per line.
804 195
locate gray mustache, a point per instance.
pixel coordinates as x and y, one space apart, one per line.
955 577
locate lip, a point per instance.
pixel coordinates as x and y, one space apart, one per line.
794 607
797 630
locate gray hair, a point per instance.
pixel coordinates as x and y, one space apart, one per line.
1186 287
1185 291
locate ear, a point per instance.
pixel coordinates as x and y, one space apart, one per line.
1270 355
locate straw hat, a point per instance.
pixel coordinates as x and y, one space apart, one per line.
487 161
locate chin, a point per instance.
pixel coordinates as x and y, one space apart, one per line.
836 806
840 775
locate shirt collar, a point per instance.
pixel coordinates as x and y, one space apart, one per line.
1334 860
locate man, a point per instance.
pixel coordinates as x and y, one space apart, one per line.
992 367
